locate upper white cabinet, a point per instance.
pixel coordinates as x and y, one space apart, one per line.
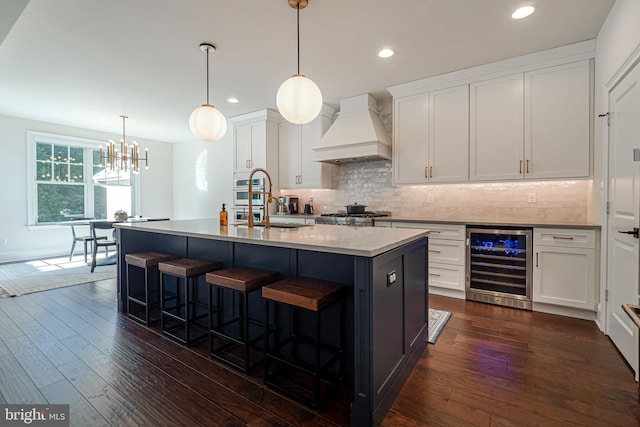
522 118
255 141
297 166
531 125
556 126
496 129
431 136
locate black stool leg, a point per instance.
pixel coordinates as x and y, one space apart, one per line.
186 310
316 373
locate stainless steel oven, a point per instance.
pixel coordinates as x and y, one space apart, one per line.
241 214
241 192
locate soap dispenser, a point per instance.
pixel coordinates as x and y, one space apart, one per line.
224 216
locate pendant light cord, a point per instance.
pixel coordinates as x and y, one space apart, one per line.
208 75
298 24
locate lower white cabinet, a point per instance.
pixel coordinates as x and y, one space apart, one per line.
446 256
565 268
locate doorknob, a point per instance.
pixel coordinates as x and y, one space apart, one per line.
633 232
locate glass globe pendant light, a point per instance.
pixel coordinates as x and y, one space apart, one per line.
207 122
299 99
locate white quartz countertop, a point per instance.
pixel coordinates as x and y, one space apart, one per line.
359 241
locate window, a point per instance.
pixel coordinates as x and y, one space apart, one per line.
68 181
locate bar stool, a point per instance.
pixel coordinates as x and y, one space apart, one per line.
143 300
236 331
183 314
313 296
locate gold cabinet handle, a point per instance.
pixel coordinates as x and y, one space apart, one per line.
435 251
563 237
537 263
426 171
430 171
434 274
527 165
520 166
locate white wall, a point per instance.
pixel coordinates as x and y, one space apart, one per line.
203 177
617 42
156 187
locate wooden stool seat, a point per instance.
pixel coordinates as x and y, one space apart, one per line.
178 320
307 355
187 267
310 294
148 259
236 331
243 279
143 300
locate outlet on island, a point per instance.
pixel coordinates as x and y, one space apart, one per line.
532 197
3 241
429 198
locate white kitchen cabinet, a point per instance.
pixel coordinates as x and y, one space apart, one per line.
447 273
255 142
431 137
298 169
556 125
565 268
532 125
496 129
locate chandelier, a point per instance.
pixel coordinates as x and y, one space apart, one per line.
123 159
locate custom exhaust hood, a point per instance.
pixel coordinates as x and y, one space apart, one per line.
357 134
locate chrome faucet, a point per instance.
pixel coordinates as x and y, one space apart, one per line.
268 199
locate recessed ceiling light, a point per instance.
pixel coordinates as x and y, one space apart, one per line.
523 12
233 100
386 53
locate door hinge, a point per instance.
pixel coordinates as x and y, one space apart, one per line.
606 295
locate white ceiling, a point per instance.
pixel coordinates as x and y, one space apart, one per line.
85 62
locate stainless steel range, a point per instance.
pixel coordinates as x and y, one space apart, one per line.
365 219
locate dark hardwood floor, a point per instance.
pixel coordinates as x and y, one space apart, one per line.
491 366
497 366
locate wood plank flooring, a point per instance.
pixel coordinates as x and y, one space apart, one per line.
491 366
497 366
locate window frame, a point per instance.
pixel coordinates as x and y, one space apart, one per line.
89 145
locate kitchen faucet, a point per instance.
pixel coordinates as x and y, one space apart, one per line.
269 198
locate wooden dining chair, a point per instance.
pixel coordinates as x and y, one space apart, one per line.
101 241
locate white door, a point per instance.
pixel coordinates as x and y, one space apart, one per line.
624 187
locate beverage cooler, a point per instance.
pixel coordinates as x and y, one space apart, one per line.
499 266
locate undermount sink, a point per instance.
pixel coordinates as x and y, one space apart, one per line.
276 225
284 225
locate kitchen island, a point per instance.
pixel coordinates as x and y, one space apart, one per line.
385 271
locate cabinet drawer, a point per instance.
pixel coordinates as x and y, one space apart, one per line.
446 251
568 238
438 231
446 276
